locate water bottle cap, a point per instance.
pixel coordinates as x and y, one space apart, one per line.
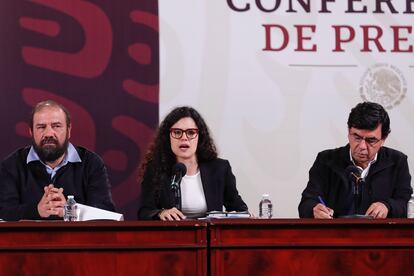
71 196
265 195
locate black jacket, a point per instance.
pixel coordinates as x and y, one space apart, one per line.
21 184
219 185
388 181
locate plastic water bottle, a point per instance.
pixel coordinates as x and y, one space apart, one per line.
71 209
265 207
410 207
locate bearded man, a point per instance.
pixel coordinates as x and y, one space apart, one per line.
35 180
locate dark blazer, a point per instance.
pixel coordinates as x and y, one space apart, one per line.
388 181
219 185
21 184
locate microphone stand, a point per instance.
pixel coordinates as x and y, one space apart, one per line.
357 189
175 187
356 196
357 182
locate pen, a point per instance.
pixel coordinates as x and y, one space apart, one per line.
321 201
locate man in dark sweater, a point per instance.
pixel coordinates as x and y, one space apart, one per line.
35 180
361 178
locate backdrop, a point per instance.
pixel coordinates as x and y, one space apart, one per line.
98 58
276 80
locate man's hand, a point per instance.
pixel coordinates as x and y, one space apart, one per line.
52 202
378 210
320 211
171 214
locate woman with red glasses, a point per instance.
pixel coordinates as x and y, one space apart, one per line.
208 184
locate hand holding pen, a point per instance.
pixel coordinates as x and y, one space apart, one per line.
321 211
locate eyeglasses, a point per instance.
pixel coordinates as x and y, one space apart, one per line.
372 141
177 133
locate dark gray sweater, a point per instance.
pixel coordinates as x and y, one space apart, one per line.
21 184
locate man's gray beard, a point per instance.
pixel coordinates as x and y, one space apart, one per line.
49 153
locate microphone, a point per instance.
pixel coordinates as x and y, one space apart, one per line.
179 170
354 176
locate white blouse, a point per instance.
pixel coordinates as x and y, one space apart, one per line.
193 200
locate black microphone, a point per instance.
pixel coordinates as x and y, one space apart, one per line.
179 170
354 176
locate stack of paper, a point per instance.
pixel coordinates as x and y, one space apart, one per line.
232 214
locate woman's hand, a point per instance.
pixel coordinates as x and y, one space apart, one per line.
171 214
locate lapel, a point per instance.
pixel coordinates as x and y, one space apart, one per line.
166 196
39 173
383 162
205 174
338 165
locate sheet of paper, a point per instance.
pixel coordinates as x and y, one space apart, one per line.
91 213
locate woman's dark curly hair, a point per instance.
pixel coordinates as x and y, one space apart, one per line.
160 159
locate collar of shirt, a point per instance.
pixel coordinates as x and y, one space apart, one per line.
70 156
364 172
